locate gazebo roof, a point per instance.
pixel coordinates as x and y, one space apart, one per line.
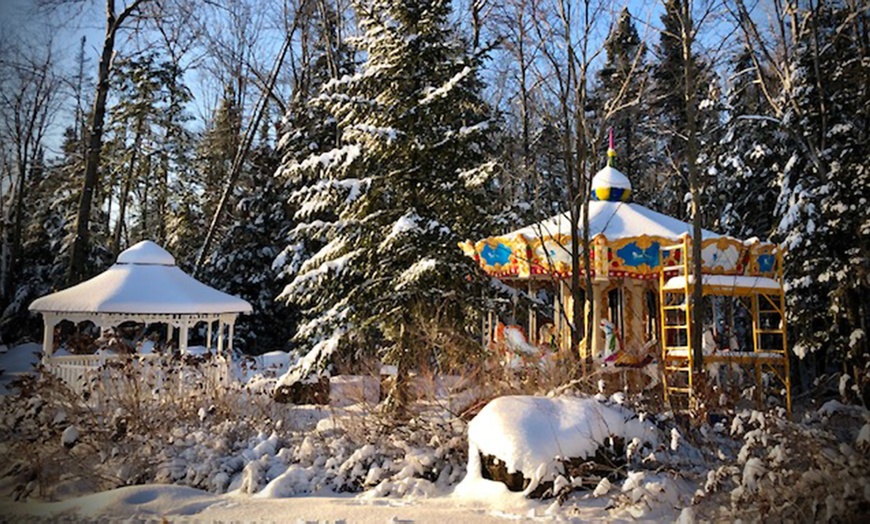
146 281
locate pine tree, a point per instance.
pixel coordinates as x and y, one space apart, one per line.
668 108
217 149
623 82
826 184
242 262
751 157
52 202
200 181
145 136
307 129
406 183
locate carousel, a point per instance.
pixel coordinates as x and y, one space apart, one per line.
641 264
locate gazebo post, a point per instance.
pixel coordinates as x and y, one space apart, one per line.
220 338
230 337
49 321
183 336
208 335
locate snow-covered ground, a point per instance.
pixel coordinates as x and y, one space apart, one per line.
180 503
17 361
238 456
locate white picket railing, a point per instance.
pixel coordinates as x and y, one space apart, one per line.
83 373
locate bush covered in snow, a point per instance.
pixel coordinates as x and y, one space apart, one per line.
217 439
591 452
550 445
815 469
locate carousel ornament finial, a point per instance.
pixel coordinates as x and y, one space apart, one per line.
609 184
611 152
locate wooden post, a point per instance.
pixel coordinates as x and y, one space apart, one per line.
533 320
49 321
183 337
220 338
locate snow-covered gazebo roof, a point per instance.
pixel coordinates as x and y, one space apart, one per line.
144 285
144 280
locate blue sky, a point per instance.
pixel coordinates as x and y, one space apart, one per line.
24 21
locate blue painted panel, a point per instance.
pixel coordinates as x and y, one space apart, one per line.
765 263
498 255
634 256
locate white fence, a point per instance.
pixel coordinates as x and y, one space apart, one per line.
104 372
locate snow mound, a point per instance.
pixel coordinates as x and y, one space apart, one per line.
146 252
530 434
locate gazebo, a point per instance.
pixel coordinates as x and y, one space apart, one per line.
143 286
640 260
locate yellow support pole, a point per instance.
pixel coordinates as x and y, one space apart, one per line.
783 326
756 349
663 321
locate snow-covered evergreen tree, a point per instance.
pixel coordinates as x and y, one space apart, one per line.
406 182
51 204
145 137
824 223
750 159
668 108
242 262
623 82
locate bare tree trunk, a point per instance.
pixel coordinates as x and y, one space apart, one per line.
31 109
238 161
78 256
476 22
697 319
146 180
163 197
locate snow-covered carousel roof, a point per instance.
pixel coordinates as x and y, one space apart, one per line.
615 220
627 239
144 281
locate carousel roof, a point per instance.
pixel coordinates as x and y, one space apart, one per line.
615 220
144 280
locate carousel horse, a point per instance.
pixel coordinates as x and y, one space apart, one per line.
616 358
712 344
513 346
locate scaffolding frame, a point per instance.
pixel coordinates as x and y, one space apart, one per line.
769 339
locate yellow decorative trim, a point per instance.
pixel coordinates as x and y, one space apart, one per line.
468 248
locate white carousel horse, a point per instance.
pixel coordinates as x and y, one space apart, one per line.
514 348
711 346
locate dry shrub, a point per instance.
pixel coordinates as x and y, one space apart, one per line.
129 413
